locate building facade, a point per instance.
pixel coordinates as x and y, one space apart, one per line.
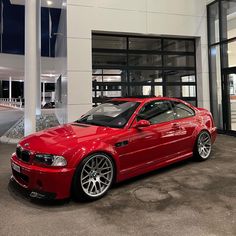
162 31
105 49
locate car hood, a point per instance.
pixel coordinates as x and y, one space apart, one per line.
63 138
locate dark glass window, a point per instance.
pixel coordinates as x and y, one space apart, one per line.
145 76
12 28
182 76
213 21
173 45
179 61
109 59
144 60
181 91
221 16
228 9
141 90
182 111
145 44
143 66
157 112
112 42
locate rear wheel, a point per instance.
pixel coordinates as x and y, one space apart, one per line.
93 177
203 146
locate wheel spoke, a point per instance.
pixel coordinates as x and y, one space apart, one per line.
102 174
85 177
104 183
96 175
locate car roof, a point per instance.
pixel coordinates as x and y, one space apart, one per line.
146 99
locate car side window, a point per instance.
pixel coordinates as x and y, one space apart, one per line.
156 112
182 110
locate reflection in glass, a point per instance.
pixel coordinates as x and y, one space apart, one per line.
144 60
178 45
109 59
111 42
213 27
216 95
142 90
232 100
229 54
179 61
179 76
158 91
188 91
145 76
228 9
181 91
144 44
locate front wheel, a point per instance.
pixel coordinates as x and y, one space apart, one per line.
203 146
93 177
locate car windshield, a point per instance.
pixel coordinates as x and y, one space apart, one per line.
112 114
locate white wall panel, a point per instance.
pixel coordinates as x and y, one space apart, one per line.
183 7
134 5
177 25
119 21
79 21
79 88
79 54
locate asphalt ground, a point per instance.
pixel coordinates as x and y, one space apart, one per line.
8 117
188 198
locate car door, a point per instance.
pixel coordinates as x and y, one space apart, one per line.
185 125
153 143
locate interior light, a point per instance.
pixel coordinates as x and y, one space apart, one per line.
49 3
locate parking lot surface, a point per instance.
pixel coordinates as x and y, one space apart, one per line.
188 198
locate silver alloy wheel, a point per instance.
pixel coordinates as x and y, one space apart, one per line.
96 175
204 145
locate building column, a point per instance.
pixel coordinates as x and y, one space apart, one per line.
10 89
32 88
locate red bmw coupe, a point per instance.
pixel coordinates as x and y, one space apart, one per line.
117 140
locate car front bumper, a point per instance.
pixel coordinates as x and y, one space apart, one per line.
41 182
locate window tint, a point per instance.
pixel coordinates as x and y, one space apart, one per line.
157 112
182 111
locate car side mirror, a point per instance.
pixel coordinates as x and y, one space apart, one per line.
142 123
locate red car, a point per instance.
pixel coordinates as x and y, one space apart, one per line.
117 140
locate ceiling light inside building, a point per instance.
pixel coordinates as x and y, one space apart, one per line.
49 3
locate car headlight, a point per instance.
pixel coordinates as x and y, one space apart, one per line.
50 160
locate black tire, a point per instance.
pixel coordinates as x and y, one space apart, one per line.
203 146
79 191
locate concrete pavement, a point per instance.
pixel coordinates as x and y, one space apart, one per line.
186 199
8 117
